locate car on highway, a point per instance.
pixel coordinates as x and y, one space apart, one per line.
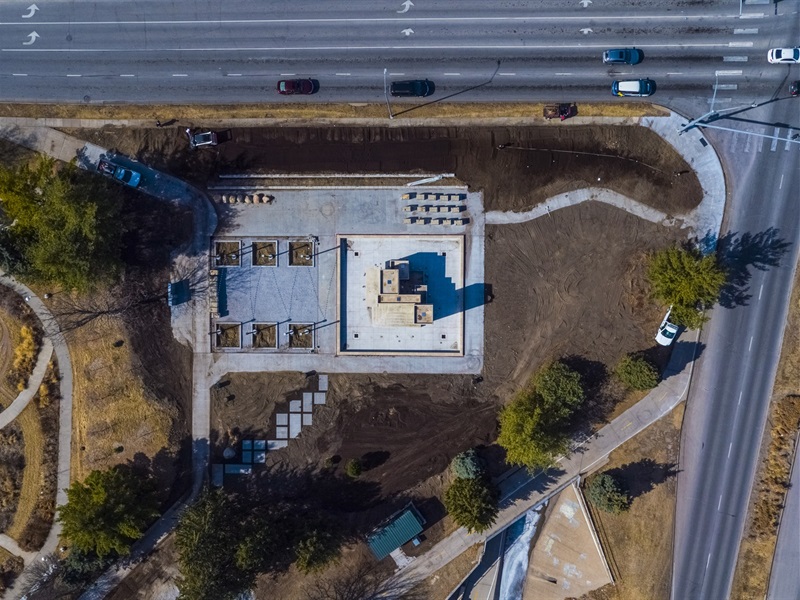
633 87
782 56
666 331
118 173
623 56
419 88
291 87
794 88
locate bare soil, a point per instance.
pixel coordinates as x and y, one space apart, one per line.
265 336
639 552
302 335
537 162
229 336
300 254
265 254
227 254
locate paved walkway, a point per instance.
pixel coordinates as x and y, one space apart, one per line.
55 340
521 491
34 381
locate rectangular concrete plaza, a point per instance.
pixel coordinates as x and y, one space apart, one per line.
283 294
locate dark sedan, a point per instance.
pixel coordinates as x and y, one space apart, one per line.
418 88
623 56
289 87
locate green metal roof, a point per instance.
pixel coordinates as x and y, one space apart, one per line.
400 528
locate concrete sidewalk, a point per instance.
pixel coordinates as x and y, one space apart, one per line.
521 491
25 396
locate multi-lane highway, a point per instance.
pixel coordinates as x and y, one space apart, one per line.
151 51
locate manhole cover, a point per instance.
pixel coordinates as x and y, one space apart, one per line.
327 209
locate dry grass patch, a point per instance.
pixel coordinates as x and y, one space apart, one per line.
32 474
640 555
10 568
115 416
24 361
444 581
319 111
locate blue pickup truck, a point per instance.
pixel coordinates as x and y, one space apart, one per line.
118 173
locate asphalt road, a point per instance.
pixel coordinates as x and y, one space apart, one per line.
730 395
149 51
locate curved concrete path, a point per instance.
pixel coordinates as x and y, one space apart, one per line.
53 342
25 396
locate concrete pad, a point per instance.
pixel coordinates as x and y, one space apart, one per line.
307 419
566 561
281 419
282 432
319 398
308 401
323 383
439 261
295 425
295 406
276 444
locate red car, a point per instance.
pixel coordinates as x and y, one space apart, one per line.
289 87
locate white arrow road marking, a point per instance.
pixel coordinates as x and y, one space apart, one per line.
31 11
406 6
586 31
32 35
585 3
407 32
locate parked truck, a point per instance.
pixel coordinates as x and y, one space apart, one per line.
127 176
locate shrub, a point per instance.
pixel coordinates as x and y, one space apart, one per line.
353 468
606 494
317 550
472 503
637 373
24 358
467 465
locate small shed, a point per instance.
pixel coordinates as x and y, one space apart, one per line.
395 531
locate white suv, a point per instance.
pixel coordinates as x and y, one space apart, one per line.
666 331
788 56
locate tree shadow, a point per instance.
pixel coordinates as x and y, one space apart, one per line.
372 460
540 482
643 476
739 253
601 394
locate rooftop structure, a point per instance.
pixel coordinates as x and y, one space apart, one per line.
398 529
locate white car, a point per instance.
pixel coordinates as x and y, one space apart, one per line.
784 56
666 331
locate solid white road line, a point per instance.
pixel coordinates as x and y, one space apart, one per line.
750 347
740 44
718 73
719 504
780 187
761 289
676 73
342 74
72 75
708 562
751 31
179 75
740 397
396 74
127 75
507 74
19 74
734 59
726 86
774 145
452 74
730 447
563 74
288 74
234 74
